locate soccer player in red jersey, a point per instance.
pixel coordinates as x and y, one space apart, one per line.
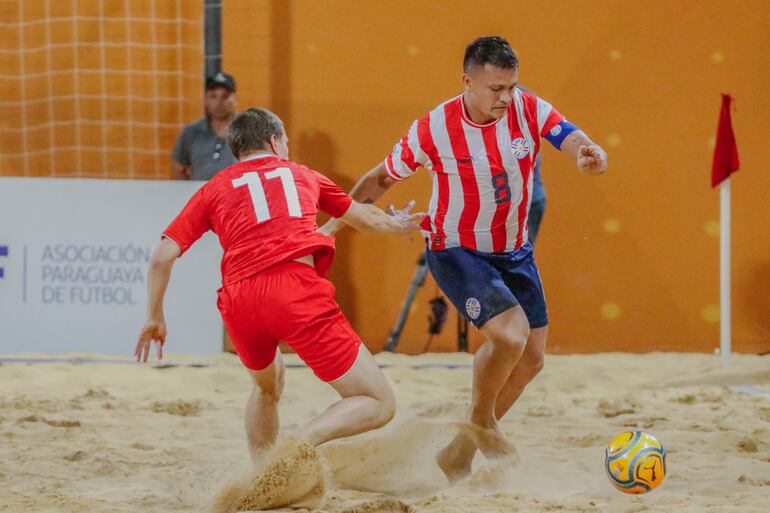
481 147
263 209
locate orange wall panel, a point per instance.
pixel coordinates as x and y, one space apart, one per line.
629 260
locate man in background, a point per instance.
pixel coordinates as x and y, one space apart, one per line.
201 150
537 207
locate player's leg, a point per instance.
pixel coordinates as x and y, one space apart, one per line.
322 337
494 362
492 365
367 402
456 459
477 289
261 416
528 366
475 285
242 305
522 277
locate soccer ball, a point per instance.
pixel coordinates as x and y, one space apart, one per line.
635 462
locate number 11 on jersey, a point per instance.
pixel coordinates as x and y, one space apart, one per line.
257 192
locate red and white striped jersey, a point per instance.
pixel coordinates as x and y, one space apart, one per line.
482 175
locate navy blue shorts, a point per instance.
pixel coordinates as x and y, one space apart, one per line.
482 285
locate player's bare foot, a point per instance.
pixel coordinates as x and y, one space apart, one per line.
493 444
454 463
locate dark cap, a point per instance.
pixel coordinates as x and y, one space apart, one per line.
221 80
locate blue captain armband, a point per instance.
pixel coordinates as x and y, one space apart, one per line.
557 134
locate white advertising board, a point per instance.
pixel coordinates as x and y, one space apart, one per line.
73 267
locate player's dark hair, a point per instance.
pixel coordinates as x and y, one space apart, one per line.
251 131
493 50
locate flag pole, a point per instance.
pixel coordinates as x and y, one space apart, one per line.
725 163
724 272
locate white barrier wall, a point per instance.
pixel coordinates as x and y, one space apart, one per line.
73 267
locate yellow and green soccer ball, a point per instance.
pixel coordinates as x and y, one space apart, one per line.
635 462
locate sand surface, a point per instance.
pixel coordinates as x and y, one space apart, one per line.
118 437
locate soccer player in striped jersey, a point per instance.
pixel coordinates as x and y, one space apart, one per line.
481 147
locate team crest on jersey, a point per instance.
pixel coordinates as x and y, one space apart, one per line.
556 130
473 307
520 147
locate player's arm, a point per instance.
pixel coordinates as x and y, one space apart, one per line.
362 216
191 223
368 218
367 190
591 158
372 185
158 275
179 171
566 137
180 156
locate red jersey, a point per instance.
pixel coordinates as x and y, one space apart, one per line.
264 212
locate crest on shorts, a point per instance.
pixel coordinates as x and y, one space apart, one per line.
520 147
473 308
556 130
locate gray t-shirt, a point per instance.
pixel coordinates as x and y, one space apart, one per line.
200 148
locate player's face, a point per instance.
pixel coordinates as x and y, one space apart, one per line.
220 103
489 90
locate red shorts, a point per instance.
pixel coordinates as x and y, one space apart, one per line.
289 302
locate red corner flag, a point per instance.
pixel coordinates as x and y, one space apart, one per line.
725 150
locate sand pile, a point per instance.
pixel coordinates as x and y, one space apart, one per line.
291 474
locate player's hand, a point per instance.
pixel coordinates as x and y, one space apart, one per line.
153 331
408 221
592 160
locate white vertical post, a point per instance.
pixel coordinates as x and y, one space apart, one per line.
724 271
